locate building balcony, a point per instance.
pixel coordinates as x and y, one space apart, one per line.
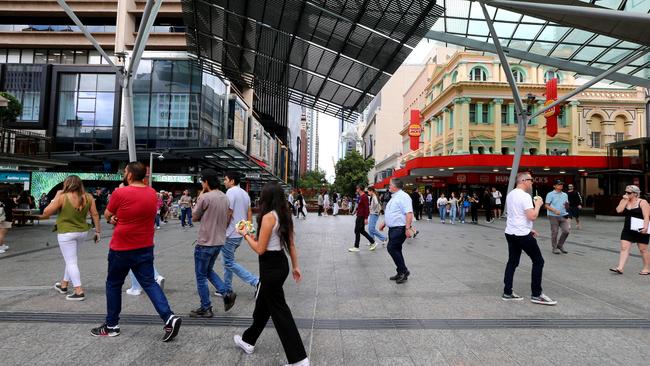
50 8
45 39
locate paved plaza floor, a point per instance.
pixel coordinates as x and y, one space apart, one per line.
349 313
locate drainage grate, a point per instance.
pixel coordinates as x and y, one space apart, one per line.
345 324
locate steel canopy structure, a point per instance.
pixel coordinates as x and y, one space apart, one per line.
328 55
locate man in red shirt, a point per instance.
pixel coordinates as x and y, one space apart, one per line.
363 211
132 209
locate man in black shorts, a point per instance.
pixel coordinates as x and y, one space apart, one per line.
575 205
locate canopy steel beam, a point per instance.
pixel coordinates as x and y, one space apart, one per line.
572 10
519 106
535 58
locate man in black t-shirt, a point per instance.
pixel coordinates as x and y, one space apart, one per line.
575 205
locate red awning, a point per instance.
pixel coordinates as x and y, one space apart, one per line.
259 162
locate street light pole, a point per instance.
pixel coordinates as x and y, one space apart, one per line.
151 154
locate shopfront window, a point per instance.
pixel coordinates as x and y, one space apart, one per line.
25 83
85 109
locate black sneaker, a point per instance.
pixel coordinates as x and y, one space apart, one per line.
402 278
171 328
394 278
59 289
229 301
105 331
202 313
76 297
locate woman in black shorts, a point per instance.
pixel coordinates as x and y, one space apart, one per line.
633 206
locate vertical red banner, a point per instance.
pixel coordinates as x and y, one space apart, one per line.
551 114
415 129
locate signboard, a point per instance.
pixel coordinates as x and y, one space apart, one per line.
477 178
415 129
14 177
551 114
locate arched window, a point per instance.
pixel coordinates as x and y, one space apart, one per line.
519 76
454 77
550 74
478 74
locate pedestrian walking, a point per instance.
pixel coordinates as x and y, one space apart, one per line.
320 203
487 206
453 207
43 202
428 202
132 210
442 207
276 235
522 212
185 204
290 201
212 211
335 203
300 205
557 203
475 204
415 200
398 218
464 206
7 205
72 204
363 211
375 211
239 209
635 228
326 203
496 203
575 205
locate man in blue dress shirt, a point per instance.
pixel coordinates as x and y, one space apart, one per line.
557 203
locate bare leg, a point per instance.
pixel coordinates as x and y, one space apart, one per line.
3 234
625 253
643 248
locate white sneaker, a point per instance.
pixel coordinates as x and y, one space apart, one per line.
373 246
133 292
157 227
353 249
218 294
243 345
542 300
4 247
161 282
2 251
304 362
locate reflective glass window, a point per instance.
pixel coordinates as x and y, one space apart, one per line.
25 83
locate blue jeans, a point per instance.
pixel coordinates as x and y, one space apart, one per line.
186 212
204 258
452 213
157 223
231 266
372 227
442 210
135 285
463 211
396 237
429 207
140 261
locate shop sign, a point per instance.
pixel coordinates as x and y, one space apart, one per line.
415 129
14 177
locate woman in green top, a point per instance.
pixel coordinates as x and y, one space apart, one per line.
73 204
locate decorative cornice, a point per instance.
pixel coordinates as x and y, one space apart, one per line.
574 103
497 100
446 110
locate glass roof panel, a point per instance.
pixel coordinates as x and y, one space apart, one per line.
528 19
614 55
564 50
552 33
457 26
527 31
480 27
507 15
542 48
457 8
589 53
578 36
603 41
611 4
637 6
477 13
504 29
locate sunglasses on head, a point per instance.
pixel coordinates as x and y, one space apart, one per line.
626 192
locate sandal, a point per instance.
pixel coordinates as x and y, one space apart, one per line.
644 273
616 270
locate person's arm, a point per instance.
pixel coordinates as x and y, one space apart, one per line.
259 246
548 206
621 205
293 254
533 213
645 208
250 214
95 216
409 221
53 207
579 200
198 210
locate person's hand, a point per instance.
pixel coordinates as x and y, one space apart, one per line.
538 201
535 233
297 276
365 222
644 230
409 233
113 220
97 238
382 226
242 230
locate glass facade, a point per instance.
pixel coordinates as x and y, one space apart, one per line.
85 111
176 105
25 83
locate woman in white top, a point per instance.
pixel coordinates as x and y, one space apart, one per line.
326 203
496 203
275 236
442 207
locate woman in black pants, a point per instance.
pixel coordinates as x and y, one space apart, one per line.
275 236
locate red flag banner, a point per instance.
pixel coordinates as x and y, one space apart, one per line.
415 129
551 114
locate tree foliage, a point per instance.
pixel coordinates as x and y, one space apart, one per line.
10 113
350 171
312 179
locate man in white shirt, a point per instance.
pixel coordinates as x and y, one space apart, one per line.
522 212
398 217
239 209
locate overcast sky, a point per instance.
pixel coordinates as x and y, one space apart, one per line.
328 132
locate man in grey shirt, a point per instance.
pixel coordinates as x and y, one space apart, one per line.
212 211
239 209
